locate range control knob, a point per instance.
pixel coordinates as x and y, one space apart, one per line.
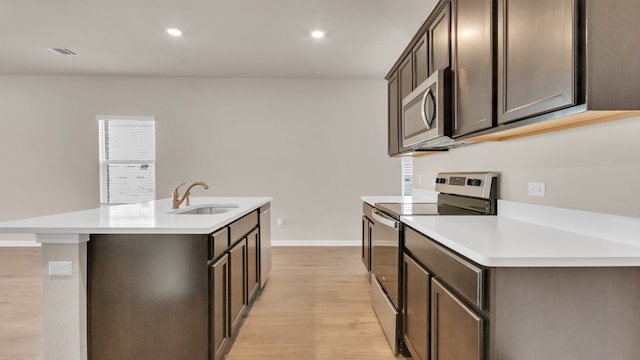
441 180
469 182
475 182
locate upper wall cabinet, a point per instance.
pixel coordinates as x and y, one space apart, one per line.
472 66
420 61
413 68
440 40
393 106
563 64
525 67
536 57
411 72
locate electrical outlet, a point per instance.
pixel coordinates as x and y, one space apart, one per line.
537 189
280 223
60 268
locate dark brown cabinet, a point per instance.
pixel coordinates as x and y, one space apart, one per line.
367 225
179 296
475 312
440 40
536 57
366 242
219 309
253 265
472 66
393 106
405 72
406 86
443 306
523 67
416 307
400 85
456 330
140 305
237 283
420 61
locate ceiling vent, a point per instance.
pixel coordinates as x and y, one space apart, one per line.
62 51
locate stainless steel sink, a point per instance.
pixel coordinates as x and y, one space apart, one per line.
208 209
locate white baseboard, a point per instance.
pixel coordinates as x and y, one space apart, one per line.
19 244
316 242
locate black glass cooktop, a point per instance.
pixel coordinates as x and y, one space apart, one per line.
406 209
447 205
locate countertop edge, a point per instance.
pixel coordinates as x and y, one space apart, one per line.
561 259
217 221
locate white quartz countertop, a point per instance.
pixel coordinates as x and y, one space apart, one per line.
153 217
499 241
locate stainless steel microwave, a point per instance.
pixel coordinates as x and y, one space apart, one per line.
425 113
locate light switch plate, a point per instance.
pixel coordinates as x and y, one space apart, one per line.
60 268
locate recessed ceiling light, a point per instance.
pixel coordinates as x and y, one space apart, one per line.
318 34
174 32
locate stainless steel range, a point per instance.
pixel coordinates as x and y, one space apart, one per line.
470 193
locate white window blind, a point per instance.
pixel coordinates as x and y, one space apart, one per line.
127 159
407 176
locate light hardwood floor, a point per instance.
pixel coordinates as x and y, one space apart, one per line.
20 304
315 306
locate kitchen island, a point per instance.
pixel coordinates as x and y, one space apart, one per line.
146 255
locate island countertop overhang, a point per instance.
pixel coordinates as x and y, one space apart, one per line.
152 217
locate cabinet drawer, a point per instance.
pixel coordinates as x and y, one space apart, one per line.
467 279
240 228
367 210
218 243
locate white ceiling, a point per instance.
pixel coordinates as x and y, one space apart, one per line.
230 38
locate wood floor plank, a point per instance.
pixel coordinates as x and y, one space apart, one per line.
20 303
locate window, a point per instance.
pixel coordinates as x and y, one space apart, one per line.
407 176
127 159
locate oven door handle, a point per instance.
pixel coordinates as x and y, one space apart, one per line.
384 220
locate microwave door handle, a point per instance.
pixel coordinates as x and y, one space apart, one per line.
428 96
384 220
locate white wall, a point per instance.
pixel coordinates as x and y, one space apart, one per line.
315 145
592 168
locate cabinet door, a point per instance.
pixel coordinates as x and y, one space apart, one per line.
394 115
253 264
440 41
420 61
366 243
456 330
406 77
237 283
218 243
536 57
472 66
219 333
416 309
406 86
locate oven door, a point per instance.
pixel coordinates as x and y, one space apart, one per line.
385 241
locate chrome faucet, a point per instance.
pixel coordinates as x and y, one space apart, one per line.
175 196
